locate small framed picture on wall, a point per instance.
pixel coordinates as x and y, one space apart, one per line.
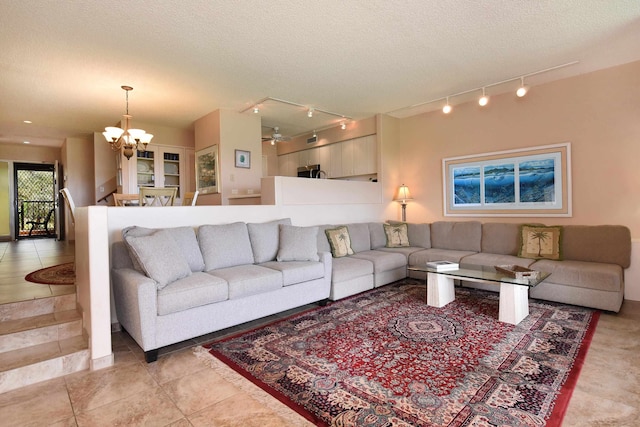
243 159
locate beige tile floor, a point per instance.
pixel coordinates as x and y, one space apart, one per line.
182 390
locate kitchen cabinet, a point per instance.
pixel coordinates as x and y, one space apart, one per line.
158 166
354 157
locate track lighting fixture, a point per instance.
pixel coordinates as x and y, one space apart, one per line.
310 113
447 108
256 110
315 135
343 125
523 89
484 99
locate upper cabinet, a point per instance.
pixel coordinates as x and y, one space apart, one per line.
354 157
158 166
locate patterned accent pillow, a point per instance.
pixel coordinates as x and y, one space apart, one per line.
397 236
540 242
339 241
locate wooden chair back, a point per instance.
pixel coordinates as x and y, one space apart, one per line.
120 199
190 198
66 195
157 196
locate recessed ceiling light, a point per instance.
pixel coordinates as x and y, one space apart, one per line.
27 122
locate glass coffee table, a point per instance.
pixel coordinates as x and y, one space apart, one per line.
514 292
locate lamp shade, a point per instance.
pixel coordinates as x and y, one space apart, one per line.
402 194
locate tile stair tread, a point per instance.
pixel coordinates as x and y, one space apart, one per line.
41 352
28 323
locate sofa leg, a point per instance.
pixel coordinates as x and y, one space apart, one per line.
151 355
323 302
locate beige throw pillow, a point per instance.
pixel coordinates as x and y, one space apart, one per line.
540 242
339 241
397 236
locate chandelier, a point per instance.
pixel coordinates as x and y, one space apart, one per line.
127 139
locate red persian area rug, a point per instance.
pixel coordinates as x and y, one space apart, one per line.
385 358
62 274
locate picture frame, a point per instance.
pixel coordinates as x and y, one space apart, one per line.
527 182
243 159
208 170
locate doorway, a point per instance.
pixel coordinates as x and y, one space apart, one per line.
35 200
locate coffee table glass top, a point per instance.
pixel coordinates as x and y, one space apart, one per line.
484 272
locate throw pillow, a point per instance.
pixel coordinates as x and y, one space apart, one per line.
298 243
185 238
339 241
159 257
264 239
540 242
225 245
397 236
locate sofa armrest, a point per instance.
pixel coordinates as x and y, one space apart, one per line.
327 260
136 305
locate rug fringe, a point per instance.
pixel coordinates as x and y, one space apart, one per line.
282 410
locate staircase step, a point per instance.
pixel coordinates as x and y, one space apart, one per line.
42 362
29 331
35 307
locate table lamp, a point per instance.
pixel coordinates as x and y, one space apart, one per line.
402 195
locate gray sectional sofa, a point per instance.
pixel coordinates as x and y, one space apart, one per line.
240 272
232 274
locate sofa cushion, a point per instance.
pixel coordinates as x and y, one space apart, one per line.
339 241
249 279
405 251
265 239
189 292
501 238
459 236
159 257
581 274
185 238
359 235
294 272
383 261
298 243
323 241
225 245
376 235
540 242
347 268
609 244
396 234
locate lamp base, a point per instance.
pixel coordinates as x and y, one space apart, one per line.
404 212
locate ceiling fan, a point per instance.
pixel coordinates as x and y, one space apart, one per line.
276 137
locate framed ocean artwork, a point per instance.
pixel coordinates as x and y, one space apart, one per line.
528 182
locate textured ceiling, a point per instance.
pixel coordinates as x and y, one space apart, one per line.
62 62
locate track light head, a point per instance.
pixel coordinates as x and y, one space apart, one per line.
310 113
256 110
523 89
484 99
343 126
447 108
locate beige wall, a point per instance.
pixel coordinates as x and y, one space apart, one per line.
78 174
231 130
599 113
27 153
